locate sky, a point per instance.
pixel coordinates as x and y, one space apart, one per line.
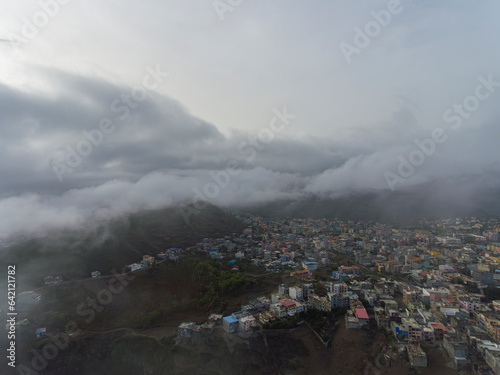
112 107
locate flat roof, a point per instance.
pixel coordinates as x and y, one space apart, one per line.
230 319
362 314
437 325
287 302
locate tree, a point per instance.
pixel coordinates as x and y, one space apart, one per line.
320 289
364 302
457 280
492 293
464 271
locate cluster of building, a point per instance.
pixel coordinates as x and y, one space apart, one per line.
236 322
275 247
188 330
173 254
292 300
423 284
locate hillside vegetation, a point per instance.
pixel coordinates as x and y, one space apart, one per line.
113 244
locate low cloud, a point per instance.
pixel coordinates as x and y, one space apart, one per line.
161 155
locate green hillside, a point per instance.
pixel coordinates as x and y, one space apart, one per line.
113 244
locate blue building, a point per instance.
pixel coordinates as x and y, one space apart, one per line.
230 324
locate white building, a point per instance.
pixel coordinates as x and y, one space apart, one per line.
339 288
247 323
295 293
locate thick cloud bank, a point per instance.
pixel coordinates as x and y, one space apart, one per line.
87 149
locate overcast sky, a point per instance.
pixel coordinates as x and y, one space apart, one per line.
289 93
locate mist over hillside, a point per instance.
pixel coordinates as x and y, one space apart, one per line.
399 207
162 155
112 244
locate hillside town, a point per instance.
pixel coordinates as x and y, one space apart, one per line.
435 283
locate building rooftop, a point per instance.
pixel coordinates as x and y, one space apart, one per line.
247 318
287 302
438 325
230 319
187 325
362 314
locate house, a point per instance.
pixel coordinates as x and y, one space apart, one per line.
265 318
307 290
475 335
413 329
409 297
95 274
310 266
356 318
214 253
439 330
362 316
482 276
417 356
230 324
381 318
283 289
278 310
264 301
215 318
339 287
319 303
258 304
247 323
338 275
338 300
208 328
292 307
428 334
239 314
295 293
304 275
469 304
355 270
457 349
371 297
185 329
397 329
492 358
